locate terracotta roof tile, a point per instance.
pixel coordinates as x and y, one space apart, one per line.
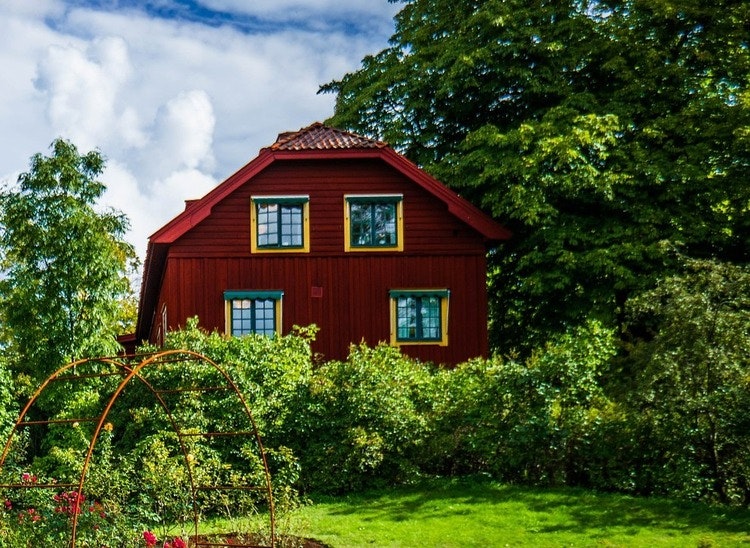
321 137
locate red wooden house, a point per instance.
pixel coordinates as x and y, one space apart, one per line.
329 228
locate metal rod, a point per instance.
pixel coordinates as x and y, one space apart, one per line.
128 373
59 421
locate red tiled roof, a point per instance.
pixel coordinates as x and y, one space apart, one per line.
320 137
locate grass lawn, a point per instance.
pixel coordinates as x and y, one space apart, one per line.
462 513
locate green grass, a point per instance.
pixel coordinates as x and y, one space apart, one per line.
464 513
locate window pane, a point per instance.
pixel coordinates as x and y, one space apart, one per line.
407 318
361 224
418 318
430 313
291 226
280 225
373 224
264 309
384 216
254 316
268 221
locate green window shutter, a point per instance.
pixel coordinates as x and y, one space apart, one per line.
232 295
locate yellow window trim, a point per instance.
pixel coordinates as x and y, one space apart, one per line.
444 301
233 296
254 248
398 199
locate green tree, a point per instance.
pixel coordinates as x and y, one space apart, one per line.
64 260
594 129
690 387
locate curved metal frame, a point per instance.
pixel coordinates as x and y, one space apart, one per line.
130 373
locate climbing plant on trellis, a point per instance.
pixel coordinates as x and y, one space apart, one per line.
189 376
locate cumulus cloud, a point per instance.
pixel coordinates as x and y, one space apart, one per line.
175 104
182 136
147 212
154 165
81 84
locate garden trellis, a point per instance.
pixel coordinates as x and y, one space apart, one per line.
121 372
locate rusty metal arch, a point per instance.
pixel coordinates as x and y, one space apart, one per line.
123 366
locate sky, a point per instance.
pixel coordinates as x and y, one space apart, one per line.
176 94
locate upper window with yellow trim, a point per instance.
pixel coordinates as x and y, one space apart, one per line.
374 222
280 224
419 316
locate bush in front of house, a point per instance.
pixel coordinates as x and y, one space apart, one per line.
665 414
535 421
363 421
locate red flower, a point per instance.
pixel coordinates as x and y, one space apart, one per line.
150 538
28 478
30 515
69 503
178 543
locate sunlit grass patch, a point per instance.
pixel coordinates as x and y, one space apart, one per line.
460 513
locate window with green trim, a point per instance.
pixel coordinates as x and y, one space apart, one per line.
280 223
373 223
419 316
257 312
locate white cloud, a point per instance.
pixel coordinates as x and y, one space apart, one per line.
182 137
175 106
147 212
81 83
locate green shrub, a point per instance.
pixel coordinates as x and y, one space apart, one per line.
533 422
364 420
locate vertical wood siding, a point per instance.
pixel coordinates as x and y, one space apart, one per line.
440 251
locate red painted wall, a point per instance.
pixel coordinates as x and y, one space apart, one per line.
439 252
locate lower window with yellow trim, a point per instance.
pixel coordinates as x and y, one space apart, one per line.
419 316
253 312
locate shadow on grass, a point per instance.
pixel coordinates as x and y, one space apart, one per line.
564 509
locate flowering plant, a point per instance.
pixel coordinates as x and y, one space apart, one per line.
176 543
150 538
152 541
41 515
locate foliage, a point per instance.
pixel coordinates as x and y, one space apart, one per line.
140 471
269 371
665 415
691 383
272 376
533 422
594 130
8 404
64 261
364 420
42 515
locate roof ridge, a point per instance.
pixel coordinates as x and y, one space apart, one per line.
318 136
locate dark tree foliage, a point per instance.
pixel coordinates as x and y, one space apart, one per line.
595 130
64 263
689 383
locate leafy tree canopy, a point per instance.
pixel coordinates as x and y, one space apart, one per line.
64 262
596 130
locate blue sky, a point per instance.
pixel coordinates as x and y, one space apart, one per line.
261 16
176 94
